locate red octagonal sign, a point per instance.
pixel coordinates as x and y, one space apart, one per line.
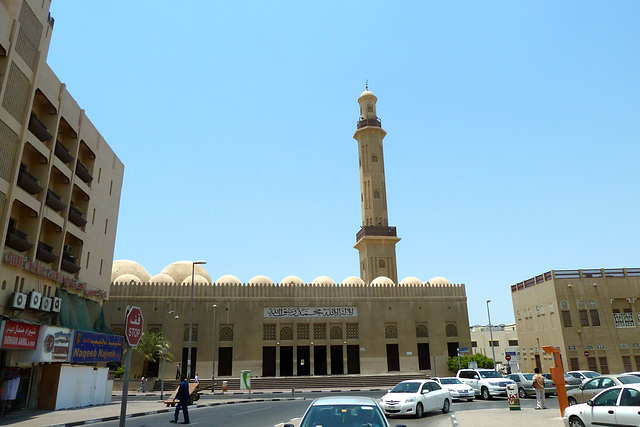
133 326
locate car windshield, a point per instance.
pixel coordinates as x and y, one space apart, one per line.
450 381
590 374
342 415
629 379
528 377
490 374
406 388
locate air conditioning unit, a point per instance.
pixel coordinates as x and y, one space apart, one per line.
45 305
55 306
34 300
18 300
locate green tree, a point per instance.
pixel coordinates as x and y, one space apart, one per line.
483 362
152 349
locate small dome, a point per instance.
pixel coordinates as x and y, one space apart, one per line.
382 281
162 279
127 279
439 281
228 279
323 280
125 266
292 280
368 94
411 281
197 279
353 281
181 269
260 280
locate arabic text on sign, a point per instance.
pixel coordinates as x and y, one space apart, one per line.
294 312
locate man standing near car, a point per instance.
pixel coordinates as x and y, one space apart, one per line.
183 401
538 385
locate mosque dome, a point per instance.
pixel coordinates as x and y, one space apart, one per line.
382 281
127 279
353 281
439 281
260 280
161 279
411 281
125 266
197 279
228 279
181 269
292 280
368 94
323 280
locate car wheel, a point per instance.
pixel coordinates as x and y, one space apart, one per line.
419 410
572 401
522 393
446 406
485 393
575 422
470 400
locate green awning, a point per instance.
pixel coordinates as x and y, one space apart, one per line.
81 313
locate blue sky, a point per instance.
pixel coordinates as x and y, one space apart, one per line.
512 147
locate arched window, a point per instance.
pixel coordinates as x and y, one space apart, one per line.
155 330
369 108
381 263
421 331
118 331
390 332
376 194
582 305
194 334
286 333
335 333
451 330
374 158
226 334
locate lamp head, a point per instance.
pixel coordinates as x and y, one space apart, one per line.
488 301
199 262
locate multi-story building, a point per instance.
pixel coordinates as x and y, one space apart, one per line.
366 324
592 316
60 186
500 339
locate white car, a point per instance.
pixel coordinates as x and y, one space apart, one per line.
415 397
457 388
584 376
615 406
485 383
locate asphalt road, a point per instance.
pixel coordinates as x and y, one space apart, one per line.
277 413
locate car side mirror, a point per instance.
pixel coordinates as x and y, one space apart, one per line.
425 391
590 402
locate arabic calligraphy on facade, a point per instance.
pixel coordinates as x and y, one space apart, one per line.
297 312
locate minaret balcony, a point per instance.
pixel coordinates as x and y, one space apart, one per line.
369 122
370 230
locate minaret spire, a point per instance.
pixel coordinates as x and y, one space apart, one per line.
376 241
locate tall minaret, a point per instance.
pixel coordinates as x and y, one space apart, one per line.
376 241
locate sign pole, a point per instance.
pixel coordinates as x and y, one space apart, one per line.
125 385
134 324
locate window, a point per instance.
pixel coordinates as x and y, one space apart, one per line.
494 343
381 263
637 358
374 158
335 333
302 331
513 343
194 334
573 362
566 318
604 369
421 331
595 317
269 332
390 332
286 333
226 334
474 344
451 330
607 398
352 331
591 363
584 317
376 194
630 397
320 331
626 361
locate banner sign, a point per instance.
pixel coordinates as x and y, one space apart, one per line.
56 344
92 347
289 312
20 336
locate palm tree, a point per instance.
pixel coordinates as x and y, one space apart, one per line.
152 348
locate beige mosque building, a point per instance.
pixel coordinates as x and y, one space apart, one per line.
360 325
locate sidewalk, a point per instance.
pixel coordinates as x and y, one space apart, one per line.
505 417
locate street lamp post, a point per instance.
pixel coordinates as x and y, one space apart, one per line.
164 347
493 350
215 328
193 275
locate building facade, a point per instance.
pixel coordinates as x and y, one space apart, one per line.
368 324
501 340
60 186
592 316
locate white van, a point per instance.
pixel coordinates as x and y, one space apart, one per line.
486 383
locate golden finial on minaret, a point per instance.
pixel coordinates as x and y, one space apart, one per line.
366 84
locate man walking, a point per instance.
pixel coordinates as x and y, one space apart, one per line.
538 385
183 401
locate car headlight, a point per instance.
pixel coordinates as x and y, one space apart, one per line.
409 400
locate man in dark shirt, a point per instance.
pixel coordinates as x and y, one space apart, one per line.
183 401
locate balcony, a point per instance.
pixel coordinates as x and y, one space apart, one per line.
45 253
83 172
75 216
369 122
39 129
28 182
18 240
375 231
54 201
69 263
62 153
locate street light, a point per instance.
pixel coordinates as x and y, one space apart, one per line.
164 347
493 350
193 275
213 373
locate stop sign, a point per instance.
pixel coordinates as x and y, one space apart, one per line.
133 326
586 354
508 357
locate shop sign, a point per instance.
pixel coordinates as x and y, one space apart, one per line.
92 347
56 344
20 336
